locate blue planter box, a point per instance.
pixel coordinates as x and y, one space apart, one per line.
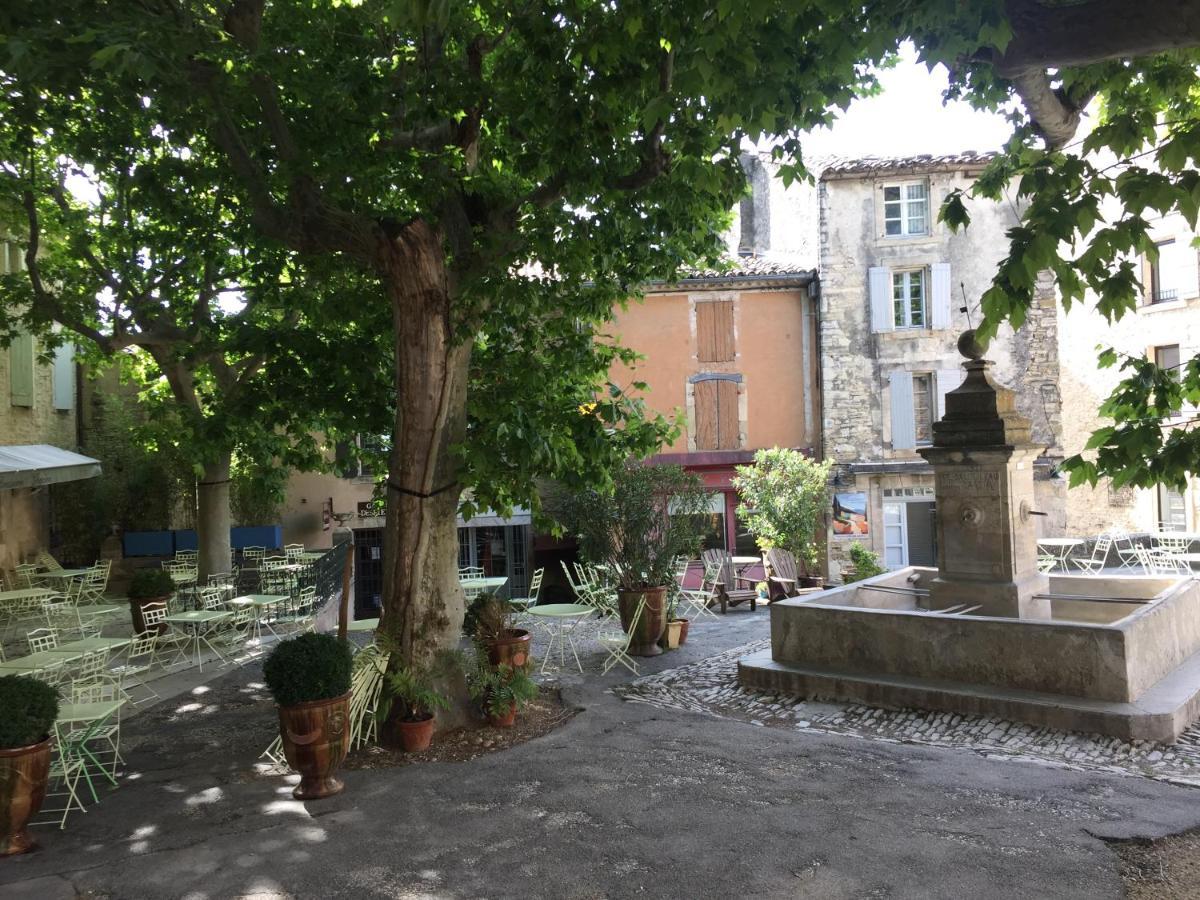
186 540
269 536
148 543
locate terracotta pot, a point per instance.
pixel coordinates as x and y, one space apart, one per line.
415 734
512 649
504 721
683 630
316 738
651 623
23 773
135 613
670 638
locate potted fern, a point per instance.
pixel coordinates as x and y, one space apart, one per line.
29 710
502 691
413 689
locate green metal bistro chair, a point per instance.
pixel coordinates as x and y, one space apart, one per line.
139 662
616 641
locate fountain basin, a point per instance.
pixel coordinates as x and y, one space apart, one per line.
1119 655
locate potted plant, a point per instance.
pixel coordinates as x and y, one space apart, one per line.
30 708
676 631
412 718
309 677
494 629
784 500
502 690
650 516
148 586
865 564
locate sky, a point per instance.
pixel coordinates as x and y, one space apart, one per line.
909 118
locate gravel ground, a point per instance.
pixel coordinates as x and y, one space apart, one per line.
710 686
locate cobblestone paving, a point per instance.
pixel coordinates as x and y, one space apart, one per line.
710 687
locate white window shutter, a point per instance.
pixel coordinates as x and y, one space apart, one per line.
20 369
904 426
879 283
947 380
64 377
939 295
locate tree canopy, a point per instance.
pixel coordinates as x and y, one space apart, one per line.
498 177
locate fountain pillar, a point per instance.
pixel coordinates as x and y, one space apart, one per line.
982 456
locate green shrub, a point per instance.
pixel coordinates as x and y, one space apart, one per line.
149 584
30 708
308 667
866 563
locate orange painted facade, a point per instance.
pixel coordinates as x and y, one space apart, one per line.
740 376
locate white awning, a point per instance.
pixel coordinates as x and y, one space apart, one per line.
32 465
488 519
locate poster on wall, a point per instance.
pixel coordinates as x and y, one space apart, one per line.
850 513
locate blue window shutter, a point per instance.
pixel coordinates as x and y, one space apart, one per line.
20 369
879 284
64 377
947 380
939 295
904 426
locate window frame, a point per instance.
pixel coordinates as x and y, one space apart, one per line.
1156 289
905 276
905 202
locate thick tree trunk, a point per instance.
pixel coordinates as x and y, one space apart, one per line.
213 517
422 601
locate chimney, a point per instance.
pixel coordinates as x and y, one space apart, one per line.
755 209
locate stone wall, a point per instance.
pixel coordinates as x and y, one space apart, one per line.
1085 386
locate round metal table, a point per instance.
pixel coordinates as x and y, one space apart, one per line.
561 620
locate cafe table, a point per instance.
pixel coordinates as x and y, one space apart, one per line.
22 595
94 644
474 586
42 661
363 625
197 624
262 604
1059 548
560 621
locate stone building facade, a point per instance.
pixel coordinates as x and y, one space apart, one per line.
897 289
1164 327
38 405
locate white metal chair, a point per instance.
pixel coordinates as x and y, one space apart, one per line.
535 588
697 602
139 661
293 551
1126 548
616 641
41 639
1096 562
153 615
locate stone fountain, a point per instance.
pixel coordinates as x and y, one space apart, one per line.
985 633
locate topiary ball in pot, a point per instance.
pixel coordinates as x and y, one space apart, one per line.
146 587
309 677
29 708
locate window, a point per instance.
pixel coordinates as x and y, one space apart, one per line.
716 404
922 390
1172 510
1174 275
355 460
906 209
1168 358
916 297
714 331
908 299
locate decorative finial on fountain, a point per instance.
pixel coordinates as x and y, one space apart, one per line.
970 347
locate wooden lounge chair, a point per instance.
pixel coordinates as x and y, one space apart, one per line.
730 586
782 574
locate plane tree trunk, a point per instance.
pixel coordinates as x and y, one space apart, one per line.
422 602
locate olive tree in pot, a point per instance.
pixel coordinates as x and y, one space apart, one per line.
784 499
650 516
309 677
29 710
148 586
